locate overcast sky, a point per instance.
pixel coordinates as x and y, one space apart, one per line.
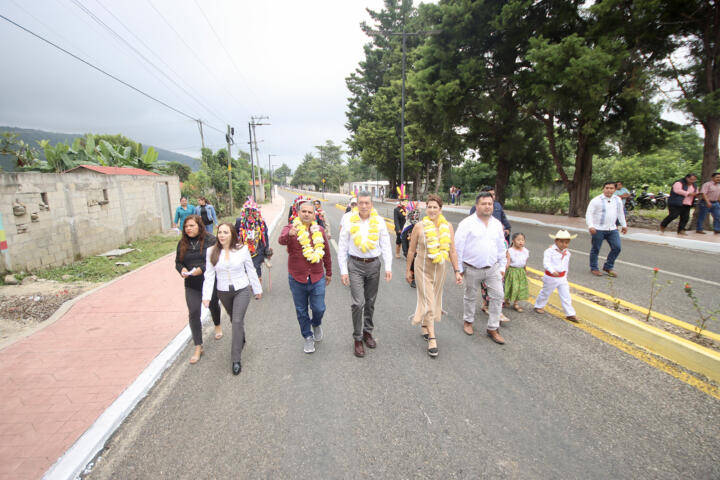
285 59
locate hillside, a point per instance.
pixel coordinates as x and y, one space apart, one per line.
31 137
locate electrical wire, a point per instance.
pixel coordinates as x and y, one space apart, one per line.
141 92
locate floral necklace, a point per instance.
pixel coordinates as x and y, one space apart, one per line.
438 244
314 251
373 235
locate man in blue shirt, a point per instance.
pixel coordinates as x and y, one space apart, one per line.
498 212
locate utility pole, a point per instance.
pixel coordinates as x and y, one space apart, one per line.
252 162
202 137
230 141
271 175
256 121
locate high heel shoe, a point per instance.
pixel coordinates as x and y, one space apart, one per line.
424 332
196 356
433 352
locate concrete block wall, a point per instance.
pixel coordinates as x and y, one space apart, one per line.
78 214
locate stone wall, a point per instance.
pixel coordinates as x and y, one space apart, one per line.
53 219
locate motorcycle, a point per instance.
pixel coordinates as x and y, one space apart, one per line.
646 200
630 201
661 200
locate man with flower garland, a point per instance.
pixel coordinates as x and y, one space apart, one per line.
363 239
309 271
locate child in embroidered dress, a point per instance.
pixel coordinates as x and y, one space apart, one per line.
556 261
516 285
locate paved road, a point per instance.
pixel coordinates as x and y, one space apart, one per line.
554 402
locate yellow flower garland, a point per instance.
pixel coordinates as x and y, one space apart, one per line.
312 252
438 246
369 242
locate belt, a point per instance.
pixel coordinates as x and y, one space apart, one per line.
557 275
476 268
363 260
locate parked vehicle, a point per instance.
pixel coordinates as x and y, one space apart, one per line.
630 201
646 200
661 200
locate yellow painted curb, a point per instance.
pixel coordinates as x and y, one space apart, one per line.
666 318
683 352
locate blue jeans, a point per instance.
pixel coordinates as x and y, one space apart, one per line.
714 210
613 238
209 228
304 295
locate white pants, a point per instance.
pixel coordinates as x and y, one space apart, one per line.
550 284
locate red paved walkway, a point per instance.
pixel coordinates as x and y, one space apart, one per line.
57 382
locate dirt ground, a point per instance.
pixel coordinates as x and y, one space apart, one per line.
25 307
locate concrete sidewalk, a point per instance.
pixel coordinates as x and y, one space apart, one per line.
59 381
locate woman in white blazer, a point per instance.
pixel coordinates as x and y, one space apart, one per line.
230 264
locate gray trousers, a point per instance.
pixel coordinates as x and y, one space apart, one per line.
236 304
492 278
364 280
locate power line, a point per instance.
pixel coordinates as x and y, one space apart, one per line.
182 39
104 72
217 37
199 101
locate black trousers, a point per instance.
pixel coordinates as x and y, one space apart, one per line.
682 211
193 298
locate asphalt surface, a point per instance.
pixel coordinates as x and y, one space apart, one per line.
554 402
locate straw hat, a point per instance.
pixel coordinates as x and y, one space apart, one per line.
562 235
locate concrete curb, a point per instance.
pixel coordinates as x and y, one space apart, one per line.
75 460
683 352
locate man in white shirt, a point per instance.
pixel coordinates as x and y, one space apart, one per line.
602 216
363 239
480 246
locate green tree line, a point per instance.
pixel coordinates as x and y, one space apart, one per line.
525 93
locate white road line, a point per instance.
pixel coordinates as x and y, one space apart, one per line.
681 275
334 244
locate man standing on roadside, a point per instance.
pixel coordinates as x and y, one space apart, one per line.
710 203
602 217
480 246
363 239
308 253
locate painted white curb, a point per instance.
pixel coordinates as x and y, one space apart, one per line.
76 458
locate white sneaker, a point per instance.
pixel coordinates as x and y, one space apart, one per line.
318 333
309 345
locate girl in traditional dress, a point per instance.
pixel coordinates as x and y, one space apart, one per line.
253 232
432 246
516 284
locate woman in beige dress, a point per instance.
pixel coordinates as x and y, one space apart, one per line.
433 241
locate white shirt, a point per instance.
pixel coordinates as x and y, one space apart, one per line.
518 258
347 247
239 272
555 261
602 212
479 245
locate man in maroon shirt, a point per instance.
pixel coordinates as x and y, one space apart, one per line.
307 279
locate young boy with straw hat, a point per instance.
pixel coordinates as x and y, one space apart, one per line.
556 261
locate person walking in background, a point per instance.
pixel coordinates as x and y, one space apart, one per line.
602 217
516 284
363 239
207 213
230 264
309 271
452 195
431 248
458 192
710 202
413 217
253 232
399 214
556 261
351 205
680 202
480 246
182 212
190 263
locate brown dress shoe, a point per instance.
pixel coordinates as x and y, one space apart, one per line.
467 328
572 318
611 273
539 310
369 340
359 350
597 273
496 337
662 229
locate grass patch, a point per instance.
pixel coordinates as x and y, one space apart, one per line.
103 269
654 214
